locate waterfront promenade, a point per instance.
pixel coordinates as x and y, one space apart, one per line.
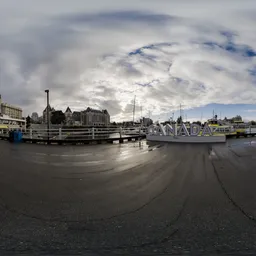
128 198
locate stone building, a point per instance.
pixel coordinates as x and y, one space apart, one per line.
76 118
94 117
68 115
10 110
51 110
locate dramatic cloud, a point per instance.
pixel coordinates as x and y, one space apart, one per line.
165 54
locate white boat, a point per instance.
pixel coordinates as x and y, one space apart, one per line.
250 130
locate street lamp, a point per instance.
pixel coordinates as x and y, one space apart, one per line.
48 114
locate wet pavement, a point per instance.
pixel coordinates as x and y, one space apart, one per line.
129 198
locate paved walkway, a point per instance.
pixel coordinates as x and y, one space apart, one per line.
130 197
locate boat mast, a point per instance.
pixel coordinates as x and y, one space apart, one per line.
134 108
141 116
180 110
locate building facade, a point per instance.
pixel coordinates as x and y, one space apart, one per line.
94 117
51 110
10 110
76 118
68 116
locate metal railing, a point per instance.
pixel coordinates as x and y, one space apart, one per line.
82 133
95 133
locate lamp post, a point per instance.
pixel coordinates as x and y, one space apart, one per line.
48 115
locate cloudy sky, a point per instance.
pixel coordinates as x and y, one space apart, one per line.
200 54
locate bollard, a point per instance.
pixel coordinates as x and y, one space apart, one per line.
11 139
120 132
60 133
93 133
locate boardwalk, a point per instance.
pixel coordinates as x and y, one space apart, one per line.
130 197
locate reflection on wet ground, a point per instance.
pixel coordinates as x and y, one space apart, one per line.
81 155
133 198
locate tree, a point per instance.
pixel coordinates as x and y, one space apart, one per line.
28 122
179 120
58 117
253 122
236 118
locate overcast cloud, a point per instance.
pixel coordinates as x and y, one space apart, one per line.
103 53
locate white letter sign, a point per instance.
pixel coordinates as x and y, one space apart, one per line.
194 129
162 130
183 129
207 130
169 130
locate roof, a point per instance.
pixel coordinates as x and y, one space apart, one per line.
93 110
105 112
10 106
51 109
68 110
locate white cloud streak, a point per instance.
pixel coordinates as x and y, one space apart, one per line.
250 110
164 53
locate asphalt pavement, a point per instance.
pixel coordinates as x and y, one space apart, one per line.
133 198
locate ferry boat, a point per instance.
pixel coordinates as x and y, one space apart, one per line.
236 127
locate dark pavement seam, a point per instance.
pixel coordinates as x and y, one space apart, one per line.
230 198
